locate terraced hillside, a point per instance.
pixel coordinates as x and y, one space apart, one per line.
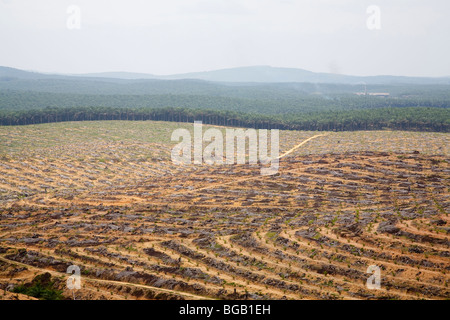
106 197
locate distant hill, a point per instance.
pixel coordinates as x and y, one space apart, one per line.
118 75
254 74
7 73
267 74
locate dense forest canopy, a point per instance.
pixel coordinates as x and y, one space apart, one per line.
32 99
410 118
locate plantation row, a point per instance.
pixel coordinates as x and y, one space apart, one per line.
411 118
226 232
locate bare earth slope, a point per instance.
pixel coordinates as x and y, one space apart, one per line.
106 197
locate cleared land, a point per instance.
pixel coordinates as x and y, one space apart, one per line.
106 197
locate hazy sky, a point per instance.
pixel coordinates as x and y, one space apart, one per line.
177 36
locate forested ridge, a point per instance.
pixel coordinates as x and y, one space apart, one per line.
299 106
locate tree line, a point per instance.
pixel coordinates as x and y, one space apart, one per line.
406 118
271 103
